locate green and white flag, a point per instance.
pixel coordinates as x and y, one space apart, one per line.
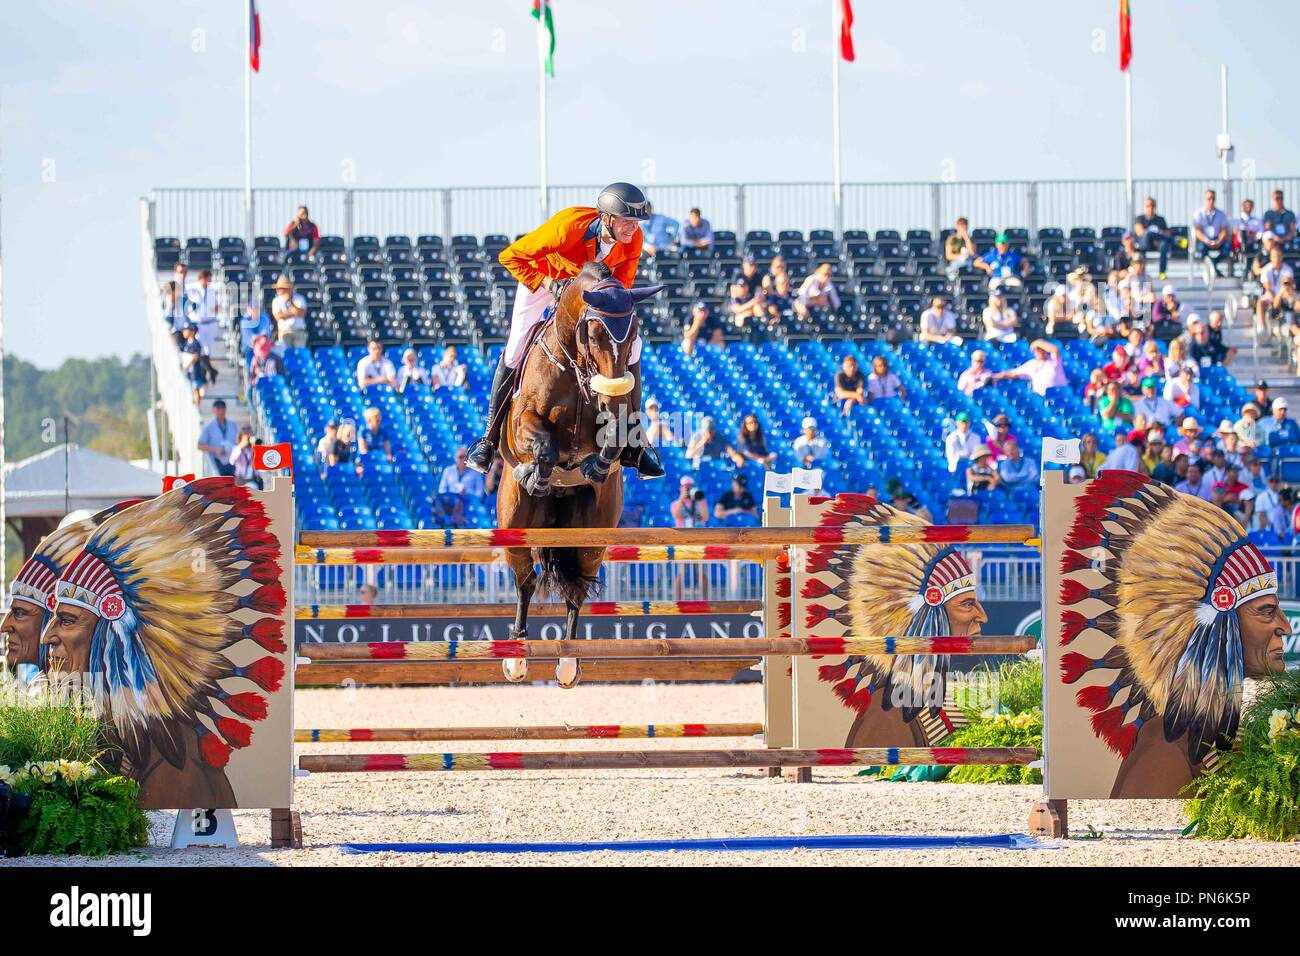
545 34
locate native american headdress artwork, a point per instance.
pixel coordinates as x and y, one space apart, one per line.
1160 575
166 579
886 589
35 580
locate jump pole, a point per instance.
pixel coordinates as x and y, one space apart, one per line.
621 537
352 735
668 759
687 648
349 556
405 672
553 609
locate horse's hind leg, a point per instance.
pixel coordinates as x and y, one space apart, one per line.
515 669
568 670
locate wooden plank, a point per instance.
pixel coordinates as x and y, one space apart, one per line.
489 672
756 758
559 732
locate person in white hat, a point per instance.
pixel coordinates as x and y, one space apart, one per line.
289 310
1188 431
810 447
1279 429
1059 310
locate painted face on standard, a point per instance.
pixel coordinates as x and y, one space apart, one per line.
1263 628
22 633
69 636
966 616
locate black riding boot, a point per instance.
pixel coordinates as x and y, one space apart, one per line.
641 455
481 453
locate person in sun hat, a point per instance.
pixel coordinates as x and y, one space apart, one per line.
146 614
1166 607
289 312
1245 426
1189 430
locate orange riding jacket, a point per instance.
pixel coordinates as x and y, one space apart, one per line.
562 245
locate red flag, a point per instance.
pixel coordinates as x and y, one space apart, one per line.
175 481
846 30
254 36
1125 37
273 457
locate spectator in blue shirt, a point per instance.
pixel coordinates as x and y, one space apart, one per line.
458 484
218 439
252 323
658 232
1151 231
1278 430
1015 470
1212 232
1002 262
697 233
1279 222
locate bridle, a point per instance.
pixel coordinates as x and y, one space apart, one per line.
580 360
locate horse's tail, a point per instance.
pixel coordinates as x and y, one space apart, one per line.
562 576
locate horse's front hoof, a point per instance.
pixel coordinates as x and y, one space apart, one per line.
531 482
515 669
568 671
594 468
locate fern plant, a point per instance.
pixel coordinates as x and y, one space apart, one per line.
1255 791
1024 729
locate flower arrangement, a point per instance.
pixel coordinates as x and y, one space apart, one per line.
1255 791
1023 729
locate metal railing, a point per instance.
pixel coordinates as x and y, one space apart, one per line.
482 210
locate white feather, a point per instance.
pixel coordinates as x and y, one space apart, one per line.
1206 614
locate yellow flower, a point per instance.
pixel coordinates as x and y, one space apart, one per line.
74 770
1277 723
6 775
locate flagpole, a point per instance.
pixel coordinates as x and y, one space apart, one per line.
248 126
835 115
1128 142
543 44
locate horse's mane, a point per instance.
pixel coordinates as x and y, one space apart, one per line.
595 271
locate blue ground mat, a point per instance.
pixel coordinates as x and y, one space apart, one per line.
1002 841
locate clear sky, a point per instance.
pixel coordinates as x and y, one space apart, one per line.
103 100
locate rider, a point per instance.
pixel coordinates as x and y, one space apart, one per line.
542 260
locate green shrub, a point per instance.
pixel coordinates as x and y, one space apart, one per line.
1255 791
1004 730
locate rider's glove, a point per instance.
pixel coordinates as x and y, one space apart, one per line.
551 285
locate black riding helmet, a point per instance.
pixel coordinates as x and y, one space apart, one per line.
624 201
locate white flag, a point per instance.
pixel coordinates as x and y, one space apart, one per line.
1060 451
810 479
778 483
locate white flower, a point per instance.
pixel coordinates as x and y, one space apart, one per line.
1277 723
6 775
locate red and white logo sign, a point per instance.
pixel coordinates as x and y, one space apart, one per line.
1223 599
112 607
933 596
51 601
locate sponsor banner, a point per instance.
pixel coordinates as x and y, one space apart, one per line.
433 628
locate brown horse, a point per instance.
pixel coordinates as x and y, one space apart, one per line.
578 406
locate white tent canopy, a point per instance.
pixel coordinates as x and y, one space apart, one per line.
69 477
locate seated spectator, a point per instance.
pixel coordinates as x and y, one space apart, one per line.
1206 349
241 458
696 232
1246 229
1218 467
1165 311
458 485
975 377
1189 433
1212 232
411 371
1177 358
1279 222
1271 278
448 373
367 594
1246 426
1280 429
1016 471
1267 499
1076 476
1263 399
1085 301
1095 389
1195 483
701 325
961 443
1091 458
1115 410
752 443
1000 438
252 323
265 363
1137 294
1127 455
1003 262
374 368
1000 319
374 436
779 303
958 249
1155 407
882 383
737 500
939 323
1150 231
900 499
327 449
658 233
981 475
301 235
1121 362
1156 451
817 292
1059 309
1183 390
192 361
345 448
657 430
289 312
810 447
1127 253
689 509
707 444
1108 322
1044 371
1150 362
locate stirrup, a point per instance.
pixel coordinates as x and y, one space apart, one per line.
482 448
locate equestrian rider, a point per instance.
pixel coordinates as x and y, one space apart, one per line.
542 260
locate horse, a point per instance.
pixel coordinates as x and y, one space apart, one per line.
577 407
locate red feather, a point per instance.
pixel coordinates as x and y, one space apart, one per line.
1072 592
1093 505
218 489
859 700
269 599
830 673
1085 533
1072 624
266 673
1074 666
783 615
1073 561
214 750
264 572
247 705
1109 726
783 586
819 559
267 631
816 614
1095 698
236 732
250 535
261 552
815 588
818 499
1121 484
